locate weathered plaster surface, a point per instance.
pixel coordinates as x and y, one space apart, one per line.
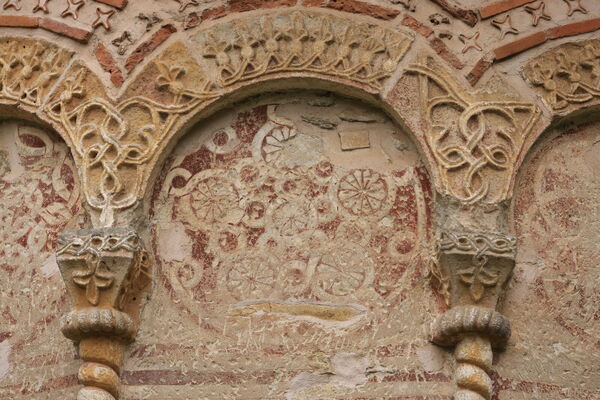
553 300
292 235
303 280
40 198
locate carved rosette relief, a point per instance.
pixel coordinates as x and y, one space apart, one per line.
567 76
474 138
106 272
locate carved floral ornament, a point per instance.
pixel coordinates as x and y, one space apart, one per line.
568 75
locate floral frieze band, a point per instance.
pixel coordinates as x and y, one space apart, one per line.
568 75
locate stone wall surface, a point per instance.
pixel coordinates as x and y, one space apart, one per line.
299 199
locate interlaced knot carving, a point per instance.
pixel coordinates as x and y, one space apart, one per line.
475 141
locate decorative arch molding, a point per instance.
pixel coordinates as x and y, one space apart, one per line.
471 141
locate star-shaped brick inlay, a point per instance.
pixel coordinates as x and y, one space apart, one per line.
538 12
72 8
42 5
470 42
505 25
16 4
183 4
102 18
575 5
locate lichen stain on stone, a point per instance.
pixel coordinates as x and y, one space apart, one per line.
313 311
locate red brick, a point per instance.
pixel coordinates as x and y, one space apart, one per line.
479 69
416 26
72 32
359 7
313 3
214 13
440 48
19 21
249 5
114 3
500 7
148 46
575 28
107 62
469 17
520 45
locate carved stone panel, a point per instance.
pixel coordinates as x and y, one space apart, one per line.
472 138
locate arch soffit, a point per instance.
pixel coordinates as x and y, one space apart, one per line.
118 143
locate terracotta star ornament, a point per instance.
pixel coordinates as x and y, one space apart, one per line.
538 12
575 5
16 4
42 5
505 25
72 8
102 18
470 42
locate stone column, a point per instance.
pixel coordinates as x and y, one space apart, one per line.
106 272
473 268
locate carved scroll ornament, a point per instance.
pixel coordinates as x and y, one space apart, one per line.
106 272
475 138
301 42
568 75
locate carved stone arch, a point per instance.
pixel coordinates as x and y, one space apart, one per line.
30 70
189 80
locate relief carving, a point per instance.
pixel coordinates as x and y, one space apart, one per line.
475 138
302 42
568 75
480 273
473 268
28 69
117 144
106 272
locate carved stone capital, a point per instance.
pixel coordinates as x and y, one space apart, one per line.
106 272
474 266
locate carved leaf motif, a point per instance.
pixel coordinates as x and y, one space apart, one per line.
96 277
568 75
